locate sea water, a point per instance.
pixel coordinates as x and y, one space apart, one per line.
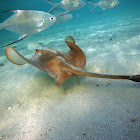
32 107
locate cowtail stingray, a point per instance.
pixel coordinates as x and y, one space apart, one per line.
61 65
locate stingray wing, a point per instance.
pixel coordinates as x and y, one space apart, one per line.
62 76
15 57
76 54
74 48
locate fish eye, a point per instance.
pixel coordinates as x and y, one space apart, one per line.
51 18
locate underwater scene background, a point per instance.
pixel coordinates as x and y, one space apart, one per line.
32 107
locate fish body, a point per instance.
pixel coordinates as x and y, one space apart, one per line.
61 65
69 5
27 22
104 4
63 18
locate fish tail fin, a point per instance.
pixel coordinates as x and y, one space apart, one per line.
92 9
92 2
15 57
64 13
95 4
51 2
54 5
1 26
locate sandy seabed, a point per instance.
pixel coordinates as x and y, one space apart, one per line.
32 107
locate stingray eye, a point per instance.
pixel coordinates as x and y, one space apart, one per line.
52 18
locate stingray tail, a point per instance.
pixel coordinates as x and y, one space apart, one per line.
135 78
54 5
15 57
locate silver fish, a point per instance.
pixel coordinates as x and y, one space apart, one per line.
27 22
69 5
63 18
104 4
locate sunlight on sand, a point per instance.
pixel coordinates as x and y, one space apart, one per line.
32 107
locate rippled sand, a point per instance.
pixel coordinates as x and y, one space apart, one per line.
32 107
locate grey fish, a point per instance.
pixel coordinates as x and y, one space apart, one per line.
69 5
27 22
62 18
104 4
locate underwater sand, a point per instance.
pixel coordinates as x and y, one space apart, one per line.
32 107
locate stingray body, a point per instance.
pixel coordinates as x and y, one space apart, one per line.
104 4
61 65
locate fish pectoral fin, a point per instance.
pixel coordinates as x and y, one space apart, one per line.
20 38
15 11
52 8
101 11
95 4
92 9
51 2
15 57
64 13
62 76
91 1
54 5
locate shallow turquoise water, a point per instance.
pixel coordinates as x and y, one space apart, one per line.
32 107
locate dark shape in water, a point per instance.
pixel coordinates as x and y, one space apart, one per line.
61 65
